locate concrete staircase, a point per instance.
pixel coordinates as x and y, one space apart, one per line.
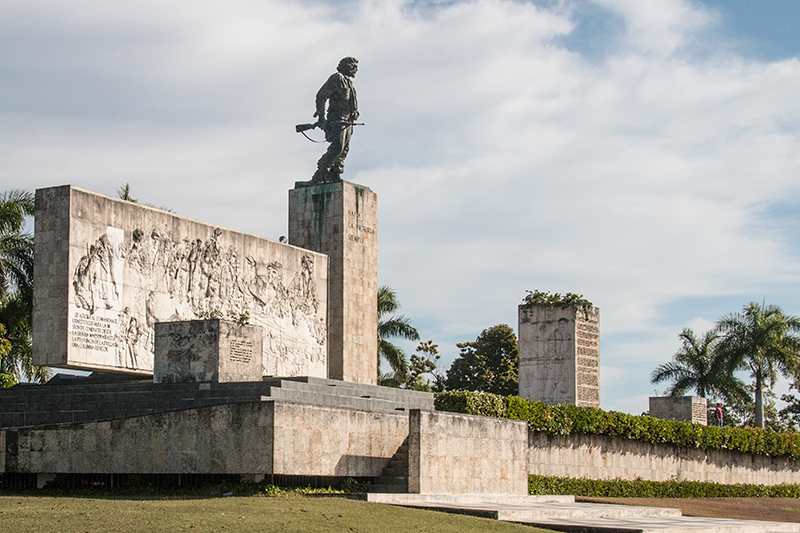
394 477
78 400
561 513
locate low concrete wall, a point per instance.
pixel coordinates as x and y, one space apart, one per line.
239 438
453 453
601 457
320 441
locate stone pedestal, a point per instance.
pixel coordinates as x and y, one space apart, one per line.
681 408
340 220
210 350
559 355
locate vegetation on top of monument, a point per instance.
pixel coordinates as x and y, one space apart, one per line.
489 364
698 366
16 289
556 299
392 326
566 419
765 341
124 193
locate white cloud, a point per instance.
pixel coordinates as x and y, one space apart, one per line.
502 160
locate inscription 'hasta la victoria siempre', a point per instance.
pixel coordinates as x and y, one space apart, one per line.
168 279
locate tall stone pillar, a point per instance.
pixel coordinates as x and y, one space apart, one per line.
559 354
341 220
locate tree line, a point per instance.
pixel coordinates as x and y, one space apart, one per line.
761 341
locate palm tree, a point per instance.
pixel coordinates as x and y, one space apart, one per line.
16 286
392 326
696 366
765 341
16 247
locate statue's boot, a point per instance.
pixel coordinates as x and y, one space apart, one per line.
318 178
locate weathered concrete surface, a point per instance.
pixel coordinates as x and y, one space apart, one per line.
465 454
242 438
341 220
107 270
322 441
681 408
601 457
559 354
207 350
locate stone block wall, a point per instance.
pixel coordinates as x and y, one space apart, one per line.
207 350
681 408
319 441
225 439
602 457
463 454
239 438
107 270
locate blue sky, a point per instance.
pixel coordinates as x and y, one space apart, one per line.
644 154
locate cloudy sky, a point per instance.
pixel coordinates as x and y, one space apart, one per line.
643 154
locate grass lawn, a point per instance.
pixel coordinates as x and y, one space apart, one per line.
291 513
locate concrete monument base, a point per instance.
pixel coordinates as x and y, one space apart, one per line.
285 427
341 220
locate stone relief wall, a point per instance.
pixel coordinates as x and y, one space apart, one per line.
132 266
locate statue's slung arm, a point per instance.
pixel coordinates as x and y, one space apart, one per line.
325 92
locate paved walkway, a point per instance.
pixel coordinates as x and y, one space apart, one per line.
563 514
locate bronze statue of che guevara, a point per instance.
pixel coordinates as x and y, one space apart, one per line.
342 111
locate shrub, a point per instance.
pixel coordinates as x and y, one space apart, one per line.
569 419
640 488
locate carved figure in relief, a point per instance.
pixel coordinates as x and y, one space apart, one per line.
179 279
94 281
128 336
82 284
303 290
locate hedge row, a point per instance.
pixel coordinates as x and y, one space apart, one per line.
569 419
640 488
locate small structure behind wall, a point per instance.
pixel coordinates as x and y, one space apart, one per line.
680 408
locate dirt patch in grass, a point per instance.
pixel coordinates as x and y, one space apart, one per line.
769 509
289 514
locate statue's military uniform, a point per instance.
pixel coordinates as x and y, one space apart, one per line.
340 94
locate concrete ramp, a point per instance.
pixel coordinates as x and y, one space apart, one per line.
561 513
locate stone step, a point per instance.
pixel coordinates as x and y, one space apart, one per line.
379 488
399 470
334 400
404 399
681 524
485 499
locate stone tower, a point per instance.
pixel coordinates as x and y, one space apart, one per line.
559 354
340 219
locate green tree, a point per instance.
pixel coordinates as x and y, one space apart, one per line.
763 340
697 366
391 325
489 364
16 287
424 362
